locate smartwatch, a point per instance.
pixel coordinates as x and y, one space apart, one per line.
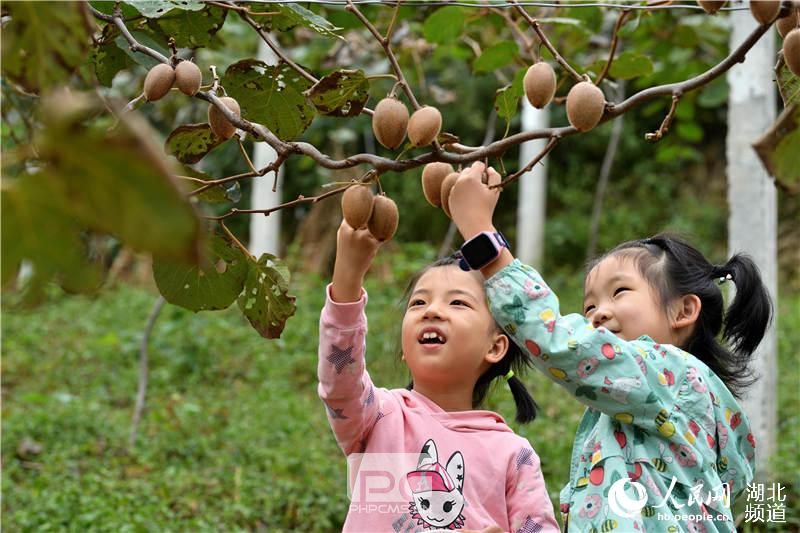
481 250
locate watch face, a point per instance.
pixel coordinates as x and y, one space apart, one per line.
479 251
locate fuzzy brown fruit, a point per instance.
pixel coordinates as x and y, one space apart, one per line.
789 22
158 82
389 122
447 186
383 221
188 78
220 125
765 11
791 51
424 126
432 177
357 205
540 84
711 6
585 105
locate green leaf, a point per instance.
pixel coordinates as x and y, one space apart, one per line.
44 43
444 25
191 29
157 8
270 95
37 228
147 39
714 94
506 101
789 85
630 65
191 142
107 7
292 15
689 131
343 93
108 59
209 287
265 300
495 57
220 194
116 182
778 147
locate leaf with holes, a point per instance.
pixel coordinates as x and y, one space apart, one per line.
43 43
213 286
191 142
157 8
343 93
270 95
108 59
292 15
777 148
789 86
191 29
265 300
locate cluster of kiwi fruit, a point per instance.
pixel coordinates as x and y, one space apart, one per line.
391 122
765 11
378 213
186 76
585 100
437 182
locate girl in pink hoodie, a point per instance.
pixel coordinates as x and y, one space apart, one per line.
423 458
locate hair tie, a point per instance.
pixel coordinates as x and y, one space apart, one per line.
509 375
726 277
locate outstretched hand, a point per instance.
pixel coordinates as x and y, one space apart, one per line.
355 251
472 201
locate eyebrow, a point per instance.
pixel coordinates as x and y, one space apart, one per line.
451 291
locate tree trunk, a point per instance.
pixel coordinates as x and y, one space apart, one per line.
265 231
532 190
752 226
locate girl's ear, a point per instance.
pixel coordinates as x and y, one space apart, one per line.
687 311
498 349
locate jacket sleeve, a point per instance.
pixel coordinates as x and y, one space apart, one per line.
529 505
350 398
632 381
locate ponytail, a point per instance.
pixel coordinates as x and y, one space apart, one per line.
526 406
514 361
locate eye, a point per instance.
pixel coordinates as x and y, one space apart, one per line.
448 506
620 289
589 309
424 503
412 303
459 302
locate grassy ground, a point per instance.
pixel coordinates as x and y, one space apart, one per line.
234 437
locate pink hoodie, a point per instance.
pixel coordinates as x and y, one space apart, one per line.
414 466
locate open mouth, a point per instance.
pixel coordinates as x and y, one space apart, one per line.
431 336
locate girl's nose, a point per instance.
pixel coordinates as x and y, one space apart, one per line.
601 316
432 311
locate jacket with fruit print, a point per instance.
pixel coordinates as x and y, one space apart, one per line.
663 444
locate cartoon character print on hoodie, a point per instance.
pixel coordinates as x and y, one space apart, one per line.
437 491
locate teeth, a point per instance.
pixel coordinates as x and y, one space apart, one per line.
432 335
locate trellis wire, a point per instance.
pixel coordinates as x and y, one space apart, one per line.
501 4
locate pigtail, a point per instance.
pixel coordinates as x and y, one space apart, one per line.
526 406
750 313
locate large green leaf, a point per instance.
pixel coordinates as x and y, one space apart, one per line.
265 301
789 86
209 287
158 8
495 57
37 228
191 142
630 65
44 43
292 15
444 25
506 101
191 29
108 59
270 95
107 7
343 93
779 147
116 182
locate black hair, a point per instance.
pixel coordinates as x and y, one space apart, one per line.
675 268
515 359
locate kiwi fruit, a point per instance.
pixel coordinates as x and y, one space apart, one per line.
447 186
389 122
540 84
424 126
220 125
791 51
188 78
711 6
357 205
585 105
765 11
383 221
789 22
158 82
432 177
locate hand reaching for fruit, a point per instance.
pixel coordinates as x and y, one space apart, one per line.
472 202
